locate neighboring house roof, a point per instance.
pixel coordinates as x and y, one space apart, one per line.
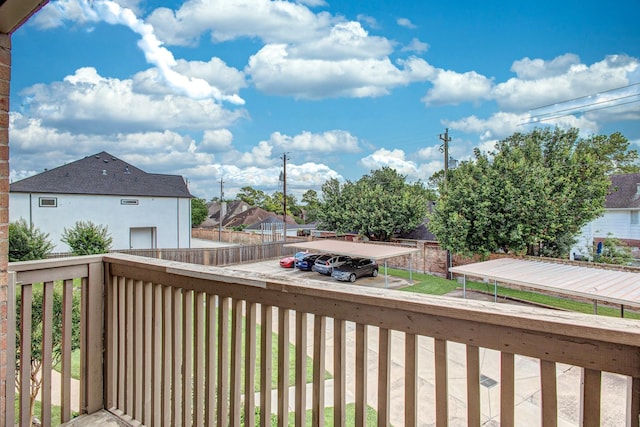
233 208
624 192
103 174
421 232
249 217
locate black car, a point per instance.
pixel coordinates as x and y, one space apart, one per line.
307 262
357 267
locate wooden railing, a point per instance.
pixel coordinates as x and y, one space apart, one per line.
54 333
183 343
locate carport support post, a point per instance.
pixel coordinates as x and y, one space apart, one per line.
386 276
410 270
464 286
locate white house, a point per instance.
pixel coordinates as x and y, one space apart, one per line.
140 209
621 218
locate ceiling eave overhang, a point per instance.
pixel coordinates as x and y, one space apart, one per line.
14 13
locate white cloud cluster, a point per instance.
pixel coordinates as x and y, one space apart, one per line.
86 101
326 142
558 85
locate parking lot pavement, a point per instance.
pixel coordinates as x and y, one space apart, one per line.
272 268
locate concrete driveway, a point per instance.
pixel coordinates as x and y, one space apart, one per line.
272 268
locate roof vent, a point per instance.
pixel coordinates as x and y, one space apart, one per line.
104 171
127 171
638 188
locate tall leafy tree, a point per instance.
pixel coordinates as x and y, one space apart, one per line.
531 195
199 211
378 205
311 205
252 196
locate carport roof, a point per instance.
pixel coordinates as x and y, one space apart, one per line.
618 287
354 249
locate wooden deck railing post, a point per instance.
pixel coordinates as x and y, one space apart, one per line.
10 386
94 339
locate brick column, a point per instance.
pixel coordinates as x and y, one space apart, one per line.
5 77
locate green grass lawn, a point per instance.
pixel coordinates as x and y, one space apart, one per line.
433 285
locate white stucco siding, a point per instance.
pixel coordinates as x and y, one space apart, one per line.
170 217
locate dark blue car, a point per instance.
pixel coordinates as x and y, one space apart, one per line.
306 263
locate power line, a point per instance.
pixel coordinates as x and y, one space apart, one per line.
588 105
584 111
585 96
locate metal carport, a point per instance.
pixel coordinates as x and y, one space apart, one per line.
375 251
596 284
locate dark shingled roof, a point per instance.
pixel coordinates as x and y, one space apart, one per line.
103 174
624 192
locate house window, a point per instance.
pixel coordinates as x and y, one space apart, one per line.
635 217
48 202
128 201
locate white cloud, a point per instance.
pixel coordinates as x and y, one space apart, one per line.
271 21
534 69
216 140
370 21
502 124
155 53
392 158
406 22
86 100
259 155
326 142
273 71
450 87
546 84
345 40
38 148
428 153
416 46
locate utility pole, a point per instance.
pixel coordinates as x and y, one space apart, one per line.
445 148
284 196
221 213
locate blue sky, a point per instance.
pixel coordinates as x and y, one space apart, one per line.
222 89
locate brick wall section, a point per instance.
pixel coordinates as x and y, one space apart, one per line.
5 77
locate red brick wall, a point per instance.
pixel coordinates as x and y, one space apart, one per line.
5 77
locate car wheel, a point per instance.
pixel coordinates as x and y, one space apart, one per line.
352 277
374 273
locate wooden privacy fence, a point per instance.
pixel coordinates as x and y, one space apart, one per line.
183 345
220 256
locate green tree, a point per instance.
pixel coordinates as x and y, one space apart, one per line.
27 242
311 205
253 197
87 238
531 195
199 211
377 206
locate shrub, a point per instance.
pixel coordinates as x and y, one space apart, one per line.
27 242
87 238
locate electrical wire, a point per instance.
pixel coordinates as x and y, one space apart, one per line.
586 96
